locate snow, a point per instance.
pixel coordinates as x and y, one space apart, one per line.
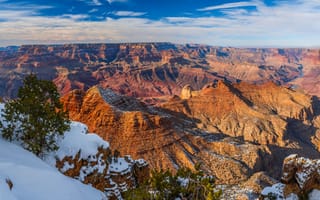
308 166
34 179
314 195
183 181
276 189
119 166
75 140
78 140
67 166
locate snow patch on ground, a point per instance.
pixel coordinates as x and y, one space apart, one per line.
120 166
33 179
77 140
276 190
314 195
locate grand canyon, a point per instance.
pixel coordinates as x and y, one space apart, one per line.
238 111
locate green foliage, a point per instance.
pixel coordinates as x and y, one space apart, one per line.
35 118
186 184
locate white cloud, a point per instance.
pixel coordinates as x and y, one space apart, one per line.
112 1
13 15
228 5
97 2
128 13
267 26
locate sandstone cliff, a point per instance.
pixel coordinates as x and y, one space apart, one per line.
235 130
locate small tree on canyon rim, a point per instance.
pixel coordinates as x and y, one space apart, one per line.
35 119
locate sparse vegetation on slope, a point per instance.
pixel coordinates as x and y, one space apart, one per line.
185 184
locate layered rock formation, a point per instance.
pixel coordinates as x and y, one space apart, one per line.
300 178
301 175
266 114
154 70
234 130
235 127
262 114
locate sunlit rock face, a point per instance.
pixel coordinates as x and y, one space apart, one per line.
234 130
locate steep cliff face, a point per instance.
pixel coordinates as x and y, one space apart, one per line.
283 119
264 114
164 138
153 70
235 130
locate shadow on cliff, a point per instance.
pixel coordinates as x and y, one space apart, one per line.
278 154
297 131
315 102
300 133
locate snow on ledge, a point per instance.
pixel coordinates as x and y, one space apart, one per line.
75 140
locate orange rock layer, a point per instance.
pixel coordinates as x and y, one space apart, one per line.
234 130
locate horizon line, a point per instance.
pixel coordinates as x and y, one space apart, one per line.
165 42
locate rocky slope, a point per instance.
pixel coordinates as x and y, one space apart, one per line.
283 119
300 179
154 70
81 155
89 159
235 130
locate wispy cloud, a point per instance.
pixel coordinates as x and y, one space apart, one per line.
97 2
228 5
112 1
265 26
128 13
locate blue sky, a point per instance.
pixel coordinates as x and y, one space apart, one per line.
247 23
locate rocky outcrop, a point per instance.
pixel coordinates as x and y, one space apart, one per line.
300 179
164 138
234 130
301 175
89 159
153 70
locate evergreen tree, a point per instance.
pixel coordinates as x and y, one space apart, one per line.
185 184
36 118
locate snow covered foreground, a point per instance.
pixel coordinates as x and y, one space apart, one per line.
34 179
